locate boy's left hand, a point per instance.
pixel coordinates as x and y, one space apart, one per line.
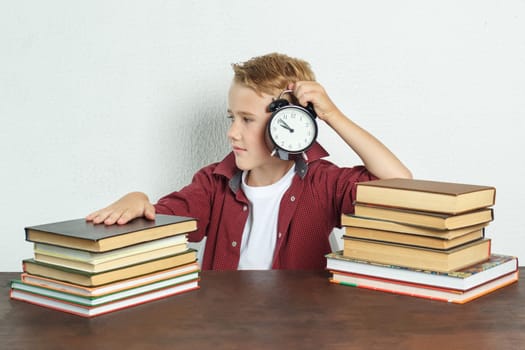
311 91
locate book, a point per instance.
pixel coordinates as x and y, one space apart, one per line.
416 290
383 225
89 279
461 279
413 240
418 257
95 258
91 311
84 235
109 288
437 221
101 266
434 196
103 299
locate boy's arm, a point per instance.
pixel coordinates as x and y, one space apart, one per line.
131 206
377 158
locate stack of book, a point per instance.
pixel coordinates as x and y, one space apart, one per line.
422 238
89 270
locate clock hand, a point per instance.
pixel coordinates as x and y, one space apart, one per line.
285 125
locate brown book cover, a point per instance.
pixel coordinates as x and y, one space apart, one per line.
84 235
417 257
350 220
413 240
433 220
425 195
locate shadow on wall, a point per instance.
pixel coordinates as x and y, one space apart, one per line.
193 135
208 142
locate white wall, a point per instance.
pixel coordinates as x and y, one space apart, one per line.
99 98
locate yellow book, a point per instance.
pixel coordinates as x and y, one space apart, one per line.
413 240
425 195
438 221
89 279
418 257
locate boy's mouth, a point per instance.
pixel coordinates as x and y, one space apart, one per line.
238 149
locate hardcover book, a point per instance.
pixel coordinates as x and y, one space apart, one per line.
418 257
114 287
103 299
421 291
101 266
424 195
462 279
412 240
91 311
102 257
84 235
350 220
89 279
436 221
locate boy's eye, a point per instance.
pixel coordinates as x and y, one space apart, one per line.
244 119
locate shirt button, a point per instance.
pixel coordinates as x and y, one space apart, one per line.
292 198
245 208
234 244
279 235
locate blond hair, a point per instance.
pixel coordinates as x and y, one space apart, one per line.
271 73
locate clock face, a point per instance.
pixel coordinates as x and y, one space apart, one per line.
292 129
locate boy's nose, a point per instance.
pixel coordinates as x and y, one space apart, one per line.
233 132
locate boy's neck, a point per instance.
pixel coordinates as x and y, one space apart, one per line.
268 175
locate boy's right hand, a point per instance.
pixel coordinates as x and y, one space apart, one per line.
131 206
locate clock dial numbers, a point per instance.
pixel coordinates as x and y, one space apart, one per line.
292 129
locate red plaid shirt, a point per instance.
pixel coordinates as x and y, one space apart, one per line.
310 209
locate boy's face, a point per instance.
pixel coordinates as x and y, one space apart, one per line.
246 134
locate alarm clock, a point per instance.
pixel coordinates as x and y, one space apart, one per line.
292 129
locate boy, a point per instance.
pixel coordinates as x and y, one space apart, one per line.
257 210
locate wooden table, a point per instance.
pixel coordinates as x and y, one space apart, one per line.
274 310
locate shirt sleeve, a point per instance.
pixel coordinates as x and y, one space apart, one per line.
194 200
337 186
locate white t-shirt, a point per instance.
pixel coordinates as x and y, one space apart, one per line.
260 231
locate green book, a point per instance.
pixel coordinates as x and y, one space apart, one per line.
80 309
103 299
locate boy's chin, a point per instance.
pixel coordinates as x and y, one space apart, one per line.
241 165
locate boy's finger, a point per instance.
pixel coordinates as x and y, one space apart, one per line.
113 217
125 217
149 212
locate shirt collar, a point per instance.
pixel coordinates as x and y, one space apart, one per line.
228 168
